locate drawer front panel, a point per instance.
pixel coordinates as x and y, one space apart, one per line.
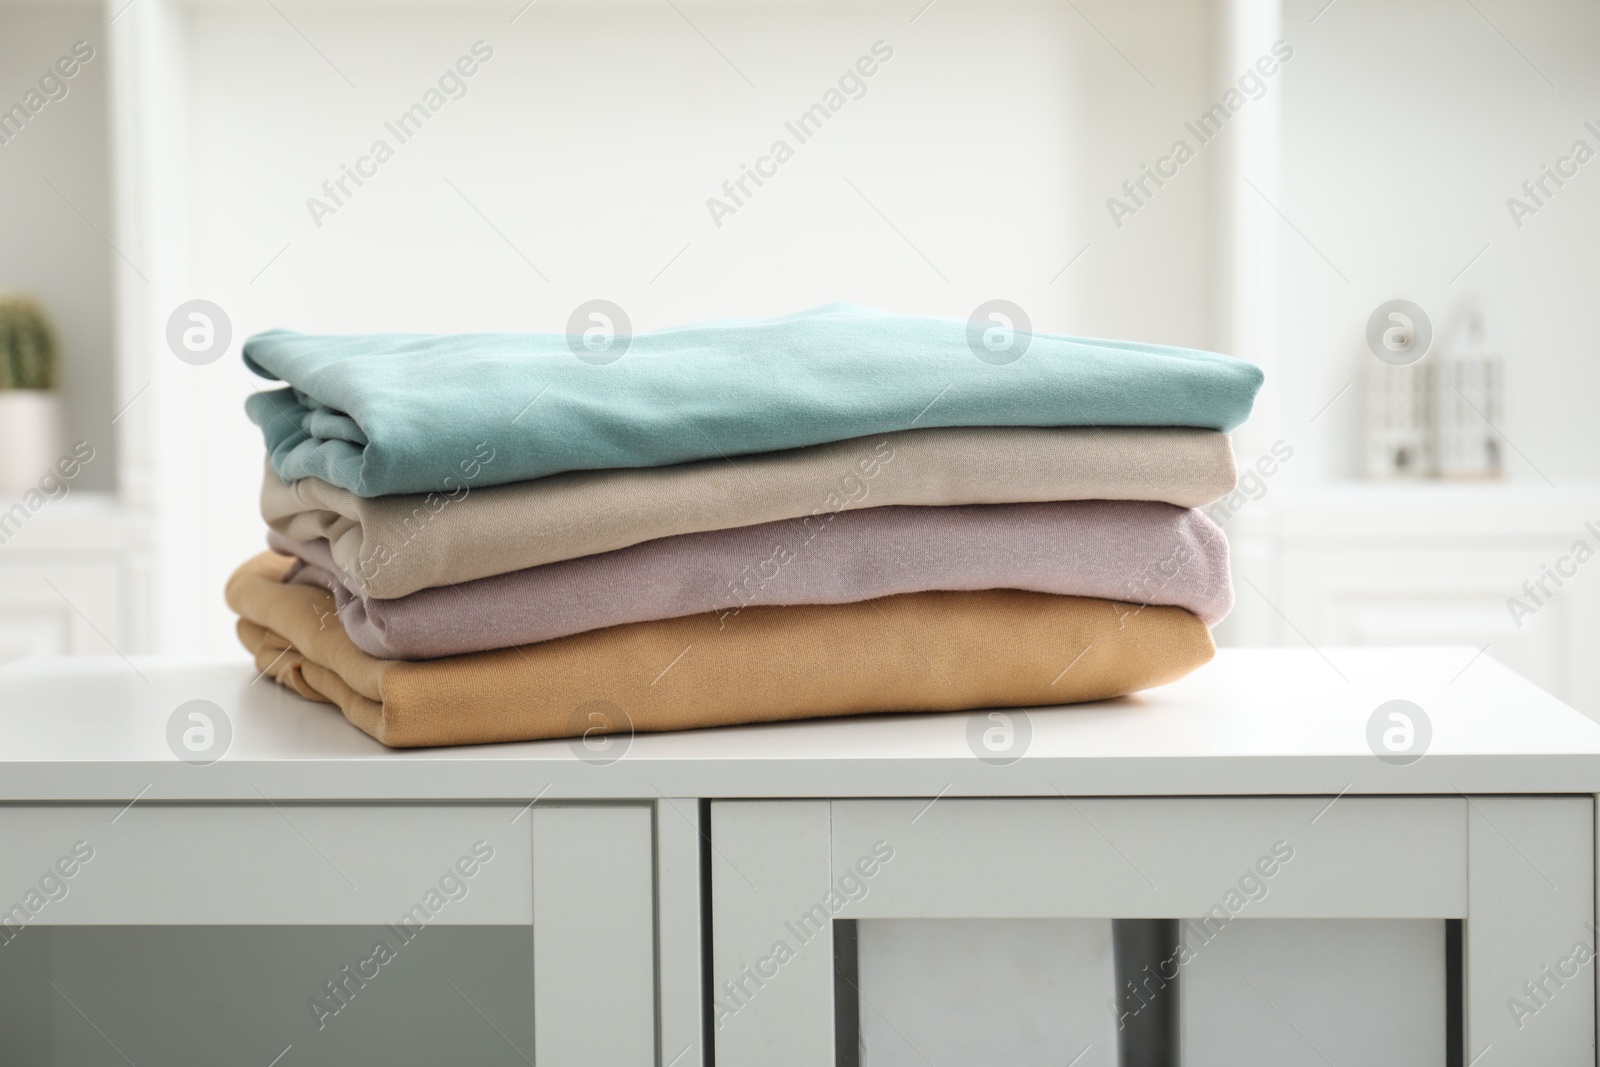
1276 857
264 864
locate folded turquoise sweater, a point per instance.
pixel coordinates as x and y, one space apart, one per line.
410 413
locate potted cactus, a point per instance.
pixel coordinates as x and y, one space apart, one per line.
30 410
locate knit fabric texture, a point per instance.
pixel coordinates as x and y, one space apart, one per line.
933 651
406 413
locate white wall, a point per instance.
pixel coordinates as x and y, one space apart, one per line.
591 142
49 244
991 141
1407 127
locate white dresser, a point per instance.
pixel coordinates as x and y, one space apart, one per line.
314 897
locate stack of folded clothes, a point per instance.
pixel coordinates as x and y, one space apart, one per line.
480 538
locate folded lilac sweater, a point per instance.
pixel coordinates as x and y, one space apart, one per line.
1139 552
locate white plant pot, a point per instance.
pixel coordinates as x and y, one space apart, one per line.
31 437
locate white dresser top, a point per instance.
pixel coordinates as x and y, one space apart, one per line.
1255 721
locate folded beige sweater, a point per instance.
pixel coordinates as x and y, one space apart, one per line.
395 545
934 651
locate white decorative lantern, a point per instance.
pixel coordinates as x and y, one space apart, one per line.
1470 384
1400 419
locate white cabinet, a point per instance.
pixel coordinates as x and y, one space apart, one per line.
1515 872
796 893
1427 564
62 579
486 933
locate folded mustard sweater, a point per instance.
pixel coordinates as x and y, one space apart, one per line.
932 651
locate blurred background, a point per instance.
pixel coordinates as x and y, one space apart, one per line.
1338 156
